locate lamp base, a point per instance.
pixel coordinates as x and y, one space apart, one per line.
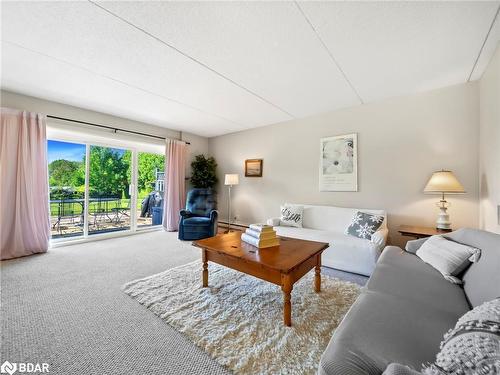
444 227
443 221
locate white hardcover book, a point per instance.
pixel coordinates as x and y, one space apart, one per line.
261 235
259 243
261 227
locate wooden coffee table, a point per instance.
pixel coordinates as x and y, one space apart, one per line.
282 265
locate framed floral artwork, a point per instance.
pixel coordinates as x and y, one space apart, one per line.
338 170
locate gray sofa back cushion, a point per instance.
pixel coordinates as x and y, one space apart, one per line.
482 279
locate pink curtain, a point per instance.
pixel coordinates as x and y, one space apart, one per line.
175 184
24 206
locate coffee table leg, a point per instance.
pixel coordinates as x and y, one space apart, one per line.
317 276
286 287
205 268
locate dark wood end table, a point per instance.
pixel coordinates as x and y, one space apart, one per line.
420 232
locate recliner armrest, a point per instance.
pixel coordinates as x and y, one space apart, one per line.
413 245
213 215
274 221
185 213
380 237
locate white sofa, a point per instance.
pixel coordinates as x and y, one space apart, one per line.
328 224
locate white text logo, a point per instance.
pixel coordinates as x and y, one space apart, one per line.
22 367
8 367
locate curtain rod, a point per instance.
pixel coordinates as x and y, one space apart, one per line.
109 127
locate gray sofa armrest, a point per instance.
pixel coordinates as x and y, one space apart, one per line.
379 238
414 245
397 369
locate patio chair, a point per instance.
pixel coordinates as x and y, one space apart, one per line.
97 208
120 211
66 214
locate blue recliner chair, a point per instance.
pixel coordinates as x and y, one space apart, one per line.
199 219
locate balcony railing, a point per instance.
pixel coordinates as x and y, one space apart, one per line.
105 214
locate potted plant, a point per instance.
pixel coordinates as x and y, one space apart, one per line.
204 175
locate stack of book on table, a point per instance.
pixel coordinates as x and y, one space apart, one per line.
260 235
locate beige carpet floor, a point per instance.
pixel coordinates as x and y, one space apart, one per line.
67 308
238 318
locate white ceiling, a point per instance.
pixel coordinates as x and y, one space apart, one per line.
212 68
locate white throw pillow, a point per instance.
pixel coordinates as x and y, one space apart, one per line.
473 346
448 257
291 216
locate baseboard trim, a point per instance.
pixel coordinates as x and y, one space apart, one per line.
224 225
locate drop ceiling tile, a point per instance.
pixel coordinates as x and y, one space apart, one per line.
385 48
267 47
87 36
36 75
396 48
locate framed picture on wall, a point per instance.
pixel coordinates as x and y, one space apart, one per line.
338 169
253 168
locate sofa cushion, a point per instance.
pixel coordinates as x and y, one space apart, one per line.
331 218
346 253
482 279
380 329
405 275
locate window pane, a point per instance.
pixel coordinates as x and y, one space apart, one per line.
109 189
150 171
67 188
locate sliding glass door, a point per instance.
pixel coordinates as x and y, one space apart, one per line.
109 190
66 188
150 189
99 189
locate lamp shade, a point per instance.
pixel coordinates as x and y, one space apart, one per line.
443 182
231 179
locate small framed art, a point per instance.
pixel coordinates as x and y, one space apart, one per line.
253 168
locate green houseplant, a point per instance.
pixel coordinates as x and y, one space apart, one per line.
204 174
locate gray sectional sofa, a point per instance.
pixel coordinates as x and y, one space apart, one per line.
407 306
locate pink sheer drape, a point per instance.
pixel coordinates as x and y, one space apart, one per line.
24 206
175 183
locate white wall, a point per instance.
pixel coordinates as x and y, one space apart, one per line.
401 142
489 150
199 145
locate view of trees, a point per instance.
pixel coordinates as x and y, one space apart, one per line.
66 173
110 171
147 164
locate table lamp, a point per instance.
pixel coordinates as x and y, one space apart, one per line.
443 182
230 180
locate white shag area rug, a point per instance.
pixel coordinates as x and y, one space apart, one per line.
238 319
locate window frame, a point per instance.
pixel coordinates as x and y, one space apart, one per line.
134 229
